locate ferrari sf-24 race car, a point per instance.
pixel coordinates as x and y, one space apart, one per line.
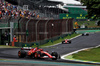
37 53
66 41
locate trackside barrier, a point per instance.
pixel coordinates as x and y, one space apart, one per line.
41 29
19 44
34 44
88 29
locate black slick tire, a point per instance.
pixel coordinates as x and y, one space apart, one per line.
21 54
54 54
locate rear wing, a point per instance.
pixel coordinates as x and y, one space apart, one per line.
26 48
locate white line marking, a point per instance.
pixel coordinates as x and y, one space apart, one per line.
63 56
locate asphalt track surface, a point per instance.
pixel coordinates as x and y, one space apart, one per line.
78 43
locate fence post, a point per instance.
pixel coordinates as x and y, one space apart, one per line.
36 28
19 27
26 28
46 29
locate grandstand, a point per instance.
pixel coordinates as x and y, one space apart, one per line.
44 8
40 22
44 17
54 9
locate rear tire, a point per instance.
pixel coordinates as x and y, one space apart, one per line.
54 54
21 54
62 42
87 34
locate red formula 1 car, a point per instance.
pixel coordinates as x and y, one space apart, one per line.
66 41
37 53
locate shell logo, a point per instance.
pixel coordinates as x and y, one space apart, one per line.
80 14
67 15
25 45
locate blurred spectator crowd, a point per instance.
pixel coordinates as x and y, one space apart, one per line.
8 10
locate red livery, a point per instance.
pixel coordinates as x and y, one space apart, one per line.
66 41
37 53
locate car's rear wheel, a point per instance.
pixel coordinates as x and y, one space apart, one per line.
62 42
21 54
54 54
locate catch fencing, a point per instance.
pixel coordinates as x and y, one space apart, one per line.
33 30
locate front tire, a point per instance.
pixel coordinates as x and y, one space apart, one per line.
69 42
54 54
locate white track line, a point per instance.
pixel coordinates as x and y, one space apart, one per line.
63 56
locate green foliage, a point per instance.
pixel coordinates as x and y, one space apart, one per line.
93 8
4 46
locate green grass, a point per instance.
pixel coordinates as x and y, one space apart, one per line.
4 46
91 23
47 44
69 57
58 41
89 55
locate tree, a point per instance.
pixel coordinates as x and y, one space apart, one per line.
93 8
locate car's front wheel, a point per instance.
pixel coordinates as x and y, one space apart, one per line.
54 54
69 41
